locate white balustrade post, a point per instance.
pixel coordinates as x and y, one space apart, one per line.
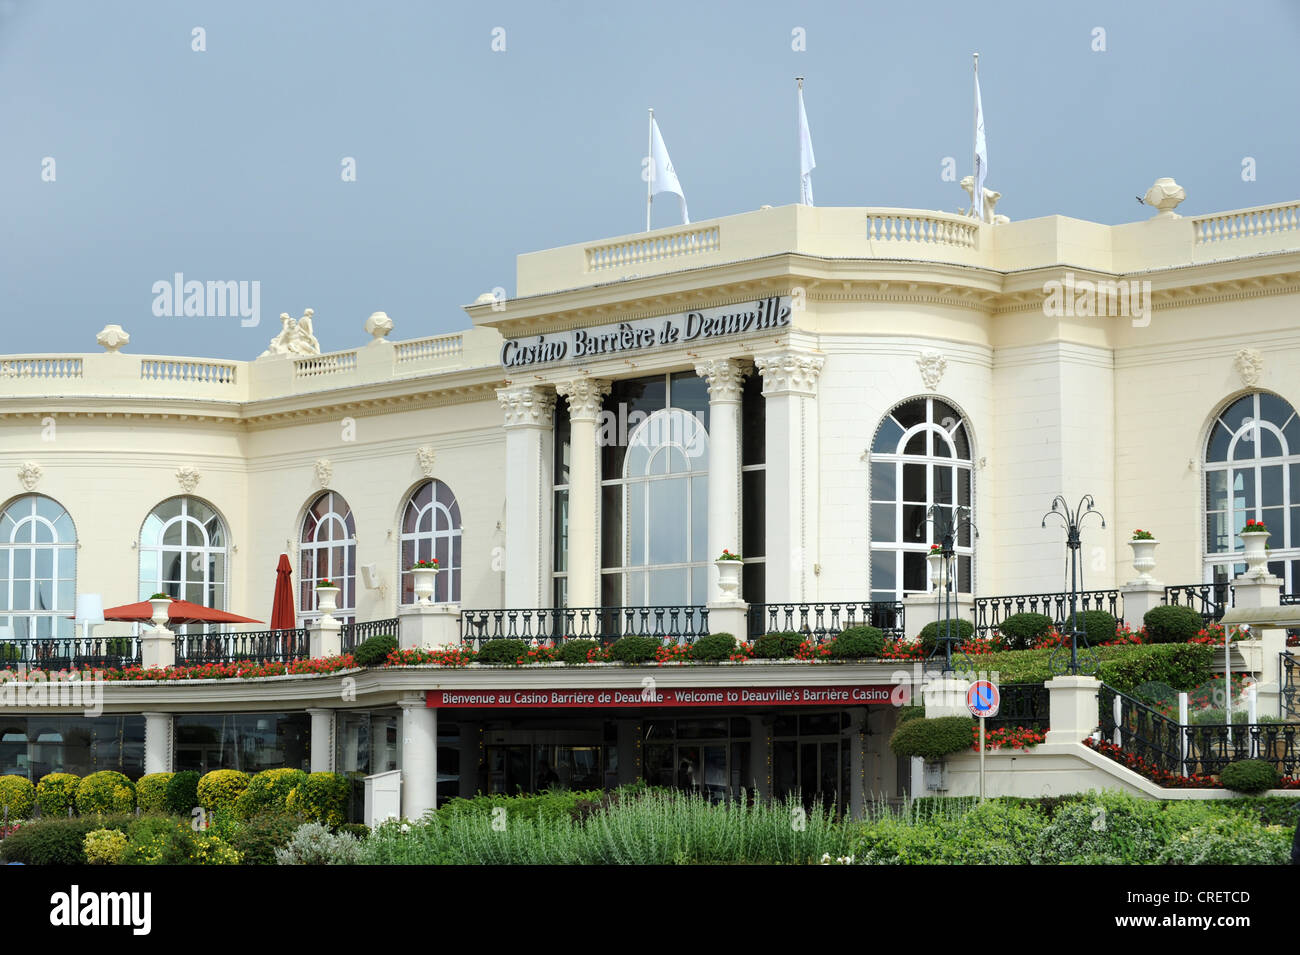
1182 733
1072 708
585 397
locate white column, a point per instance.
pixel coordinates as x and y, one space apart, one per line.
725 378
790 391
585 396
157 743
419 757
529 425
322 740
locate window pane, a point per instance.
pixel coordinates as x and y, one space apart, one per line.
668 587
962 442
883 571
915 574
943 481
611 525
915 527
884 479
690 392
963 487
636 495
754 421
914 483
1269 445
916 444
1216 490
883 519
754 514
1271 485
667 522
887 437
911 413
1274 409
1243 490
700 519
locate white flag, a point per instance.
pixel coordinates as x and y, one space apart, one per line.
664 176
981 154
806 161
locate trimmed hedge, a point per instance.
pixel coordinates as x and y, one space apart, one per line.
578 651
1250 776
151 792
633 649
56 841
1099 624
374 651
1172 624
932 738
1022 630
502 651
713 647
183 792
777 646
908 713
221 788
858 642
930 633
17 795
321 797
56 793
267 792
105 791
1182 666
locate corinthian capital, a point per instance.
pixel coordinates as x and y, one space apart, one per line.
526 406
725 376
584 395
790 373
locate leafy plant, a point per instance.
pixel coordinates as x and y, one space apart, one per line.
962 630
932 738
425 565
713 647
633 649
1098 624
908 713
728 555
777 646
182 792
105 791
1181 666
55 840
267 792
1171 623
56 793
104 846
161 596
503 651
257 839
313 844
1141 535
18 795
1022 630
579 651
221 788
1230 840
322 797
375 650
1250 776
855 643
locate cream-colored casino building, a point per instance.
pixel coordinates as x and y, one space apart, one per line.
797 385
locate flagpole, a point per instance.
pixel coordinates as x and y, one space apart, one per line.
975 136
650 179
798 134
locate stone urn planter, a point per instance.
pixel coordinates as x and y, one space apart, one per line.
1256 544
160 610
729 576
1144 557
423 579
936 561
327 599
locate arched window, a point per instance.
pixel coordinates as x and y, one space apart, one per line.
431 529
921 457
38 568
1252 472
666 487
328 551
183 552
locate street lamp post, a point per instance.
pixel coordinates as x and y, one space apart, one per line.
947 523
1073 521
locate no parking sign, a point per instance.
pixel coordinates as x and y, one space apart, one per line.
983 699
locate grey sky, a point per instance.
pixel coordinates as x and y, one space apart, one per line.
225 164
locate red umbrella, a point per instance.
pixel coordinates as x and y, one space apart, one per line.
282 615
178 612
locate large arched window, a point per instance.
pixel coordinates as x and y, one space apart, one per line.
328 551
431 529
921 457
38 568
1252 472
183 552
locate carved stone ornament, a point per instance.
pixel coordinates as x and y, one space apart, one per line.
790 373
295 338
1164 195
932 365
324 471
29 475
187 476
725 377
1249 364
424 454
526 406
378 325
585 396
112 338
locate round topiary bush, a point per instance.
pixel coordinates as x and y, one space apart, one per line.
322 797
267 792
580 651
17 796
1172 624
1022 630
961 630
105 791
221 789
182 793
502 651
374 652
933 738
633 649
855 643
104 847
57 793
908 713
1249 776
777 646
1099 625
151 792
713 647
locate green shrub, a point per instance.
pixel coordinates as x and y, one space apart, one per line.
183 792
502 651
855 643
713 647
17 795
321 797
579 651
267 792
104 846
257 839
1250 776
374 651
962 630
1181 666
549 806
151 792
1115 829
1172 624
633 649
1022 630
959 832
220 789
1099 625
57 840
908 713
105 791
932 738
1218 717
159 840
358 829
313 844
57 793
777 646
1230 840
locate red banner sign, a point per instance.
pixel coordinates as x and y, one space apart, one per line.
651 696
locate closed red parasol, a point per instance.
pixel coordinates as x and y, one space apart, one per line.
282 615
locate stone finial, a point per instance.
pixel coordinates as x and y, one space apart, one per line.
1164 195
112 338
378 325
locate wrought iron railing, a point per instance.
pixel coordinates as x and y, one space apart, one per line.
1141 730
63 653
606 624
1211 600
823 620
355 634
989 612
1289 673
1210 747
1023 704
273 646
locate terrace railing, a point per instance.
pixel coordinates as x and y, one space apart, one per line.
1289 670
1210 747
1211 600
63 653
1141 730
685 624
1023 704
989 612
355 634
823 620
271 646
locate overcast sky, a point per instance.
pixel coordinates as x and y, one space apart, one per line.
227 164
